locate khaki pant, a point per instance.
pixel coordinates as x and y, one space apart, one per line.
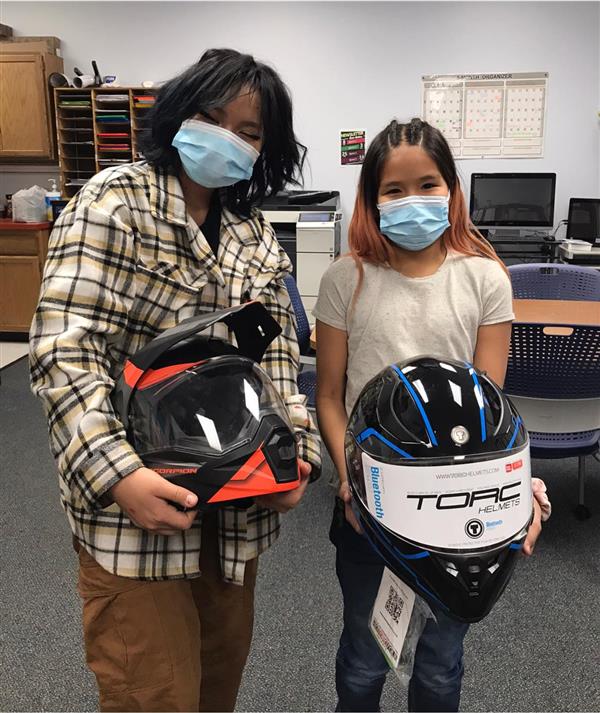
174 645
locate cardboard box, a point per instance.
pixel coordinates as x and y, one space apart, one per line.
52 42
46 45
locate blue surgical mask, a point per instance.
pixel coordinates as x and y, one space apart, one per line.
414 222
212 156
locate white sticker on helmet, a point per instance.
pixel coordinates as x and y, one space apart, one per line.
460 506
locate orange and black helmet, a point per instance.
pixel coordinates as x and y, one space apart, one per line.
204 414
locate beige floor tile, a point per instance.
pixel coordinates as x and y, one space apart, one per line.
11 351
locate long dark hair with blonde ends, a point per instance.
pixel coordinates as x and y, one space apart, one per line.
366 242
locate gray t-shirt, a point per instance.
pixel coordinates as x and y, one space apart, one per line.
397 317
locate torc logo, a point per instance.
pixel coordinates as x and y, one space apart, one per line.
513 466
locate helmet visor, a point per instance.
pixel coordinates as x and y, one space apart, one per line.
211 408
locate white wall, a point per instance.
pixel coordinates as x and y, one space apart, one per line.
356 65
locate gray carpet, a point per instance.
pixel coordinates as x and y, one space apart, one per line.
539 650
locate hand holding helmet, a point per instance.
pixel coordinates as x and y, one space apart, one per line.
147 499
534 530
345 494
286 501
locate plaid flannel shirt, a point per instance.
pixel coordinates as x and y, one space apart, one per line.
125 263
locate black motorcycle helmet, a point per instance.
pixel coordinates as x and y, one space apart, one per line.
202 412
438 463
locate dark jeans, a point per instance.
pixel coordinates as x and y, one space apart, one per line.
360 666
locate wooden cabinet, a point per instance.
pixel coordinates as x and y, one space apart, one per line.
26 114
23 250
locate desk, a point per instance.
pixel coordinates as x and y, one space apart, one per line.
584 258
557 312
525 248
544 312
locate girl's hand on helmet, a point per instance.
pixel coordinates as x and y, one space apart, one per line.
534 529
144 497
283 502
345 494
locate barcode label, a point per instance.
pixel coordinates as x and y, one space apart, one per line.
394 604
391 615
386 643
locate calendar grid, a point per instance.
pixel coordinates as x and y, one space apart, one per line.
488 115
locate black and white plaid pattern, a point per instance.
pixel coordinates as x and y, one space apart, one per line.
124 264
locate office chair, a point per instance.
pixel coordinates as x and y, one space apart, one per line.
307 377
553 373
543 281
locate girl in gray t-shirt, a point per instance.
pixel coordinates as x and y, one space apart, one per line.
420 280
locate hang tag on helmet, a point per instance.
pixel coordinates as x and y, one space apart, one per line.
391 616
397 622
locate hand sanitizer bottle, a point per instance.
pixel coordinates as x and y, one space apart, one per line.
52 195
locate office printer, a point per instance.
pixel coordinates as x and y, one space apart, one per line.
308 227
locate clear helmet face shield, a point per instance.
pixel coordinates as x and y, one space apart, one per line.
210 409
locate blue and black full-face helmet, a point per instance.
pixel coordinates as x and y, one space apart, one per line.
438 462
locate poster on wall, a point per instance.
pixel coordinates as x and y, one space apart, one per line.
488 115
352 145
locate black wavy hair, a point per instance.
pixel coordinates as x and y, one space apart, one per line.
216 79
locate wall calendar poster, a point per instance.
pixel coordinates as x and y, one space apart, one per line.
488 115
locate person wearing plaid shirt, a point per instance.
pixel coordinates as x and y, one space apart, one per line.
167 596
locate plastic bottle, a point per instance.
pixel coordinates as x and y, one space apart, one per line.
52 195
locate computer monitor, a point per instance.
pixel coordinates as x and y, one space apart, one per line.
584 219
512 200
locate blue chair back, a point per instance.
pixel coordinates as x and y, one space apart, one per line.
543 364
302 325
554 281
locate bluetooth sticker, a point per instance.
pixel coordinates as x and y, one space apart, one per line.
474 528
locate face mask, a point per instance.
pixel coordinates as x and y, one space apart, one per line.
212 156
415 222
